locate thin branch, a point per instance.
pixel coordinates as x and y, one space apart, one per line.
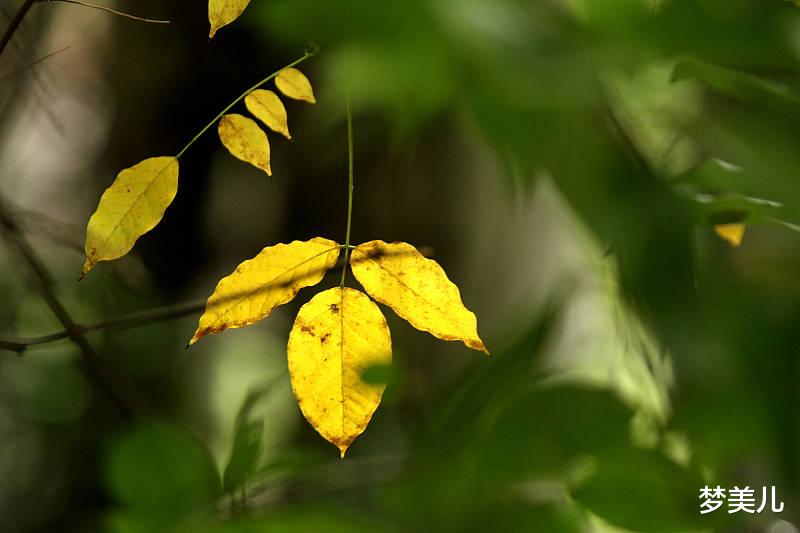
15 23
22 69
139 319
109 10
134 320
58 231
120 390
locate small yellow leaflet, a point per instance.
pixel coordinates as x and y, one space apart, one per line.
268 108
417 289
259 285
733 234
223 12
294 84
245 140
132 206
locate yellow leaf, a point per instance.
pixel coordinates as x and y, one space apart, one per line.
335 337
417 289
132 206
268 108
294 84
261 284
733 234
245 140
223 12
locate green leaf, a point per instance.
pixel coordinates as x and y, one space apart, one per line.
159 470
642 490
248 445
734 82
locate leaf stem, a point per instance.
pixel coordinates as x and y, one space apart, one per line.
240 98
117 385
350 188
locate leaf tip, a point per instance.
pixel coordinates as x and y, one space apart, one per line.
477 344
87 267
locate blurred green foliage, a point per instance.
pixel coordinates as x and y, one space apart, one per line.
654 120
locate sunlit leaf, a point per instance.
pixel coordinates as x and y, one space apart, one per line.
268 108
417 289
261 284
733 234
131 207
245 140
335 337
294 84
223 12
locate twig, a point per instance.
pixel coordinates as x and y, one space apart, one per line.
109 10
13 26
120 390
31 64
134 320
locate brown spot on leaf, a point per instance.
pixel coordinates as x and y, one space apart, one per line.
334 308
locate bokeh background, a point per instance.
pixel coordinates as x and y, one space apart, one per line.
565 161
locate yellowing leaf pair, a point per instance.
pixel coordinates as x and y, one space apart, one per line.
138 198
340 332
242 136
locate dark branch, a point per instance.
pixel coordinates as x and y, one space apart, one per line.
15 23
119 389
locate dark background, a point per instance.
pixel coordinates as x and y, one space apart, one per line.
564 161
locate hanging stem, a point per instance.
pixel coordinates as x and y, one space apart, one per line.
240 98
350 188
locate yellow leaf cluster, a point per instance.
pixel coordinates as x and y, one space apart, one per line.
341 332
242 136
138 198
